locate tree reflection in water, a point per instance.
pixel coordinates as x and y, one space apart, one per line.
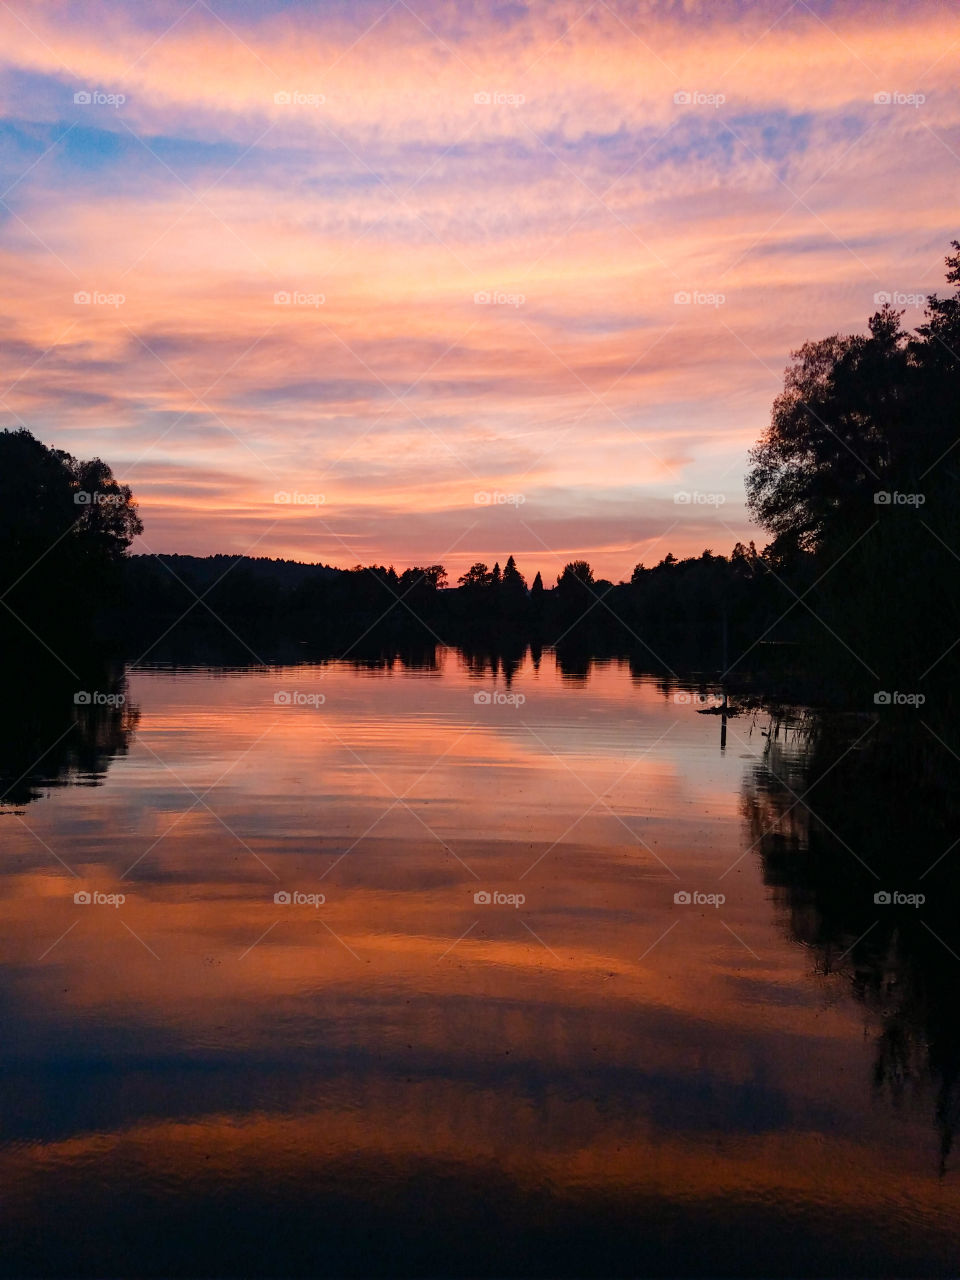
61 730
842 808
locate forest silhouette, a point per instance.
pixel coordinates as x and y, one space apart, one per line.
855 480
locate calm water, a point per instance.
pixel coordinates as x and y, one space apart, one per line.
581 1075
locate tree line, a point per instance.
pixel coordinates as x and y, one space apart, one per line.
855 480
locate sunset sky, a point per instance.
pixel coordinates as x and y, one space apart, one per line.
381 165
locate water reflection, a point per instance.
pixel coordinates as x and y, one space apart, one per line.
412 1079
837 823
60 731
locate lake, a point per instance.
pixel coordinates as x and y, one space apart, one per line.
436 968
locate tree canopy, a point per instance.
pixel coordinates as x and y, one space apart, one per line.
65 524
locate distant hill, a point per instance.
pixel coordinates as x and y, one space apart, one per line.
205 570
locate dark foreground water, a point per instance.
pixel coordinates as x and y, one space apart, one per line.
327 970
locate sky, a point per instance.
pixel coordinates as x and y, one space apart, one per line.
413 282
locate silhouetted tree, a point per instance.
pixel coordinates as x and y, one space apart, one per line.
536 604
512 575
476 577
513 591
418 589
65 525
575 600
835 432
432 577
856 478
577 571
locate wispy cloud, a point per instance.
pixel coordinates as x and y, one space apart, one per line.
400 253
